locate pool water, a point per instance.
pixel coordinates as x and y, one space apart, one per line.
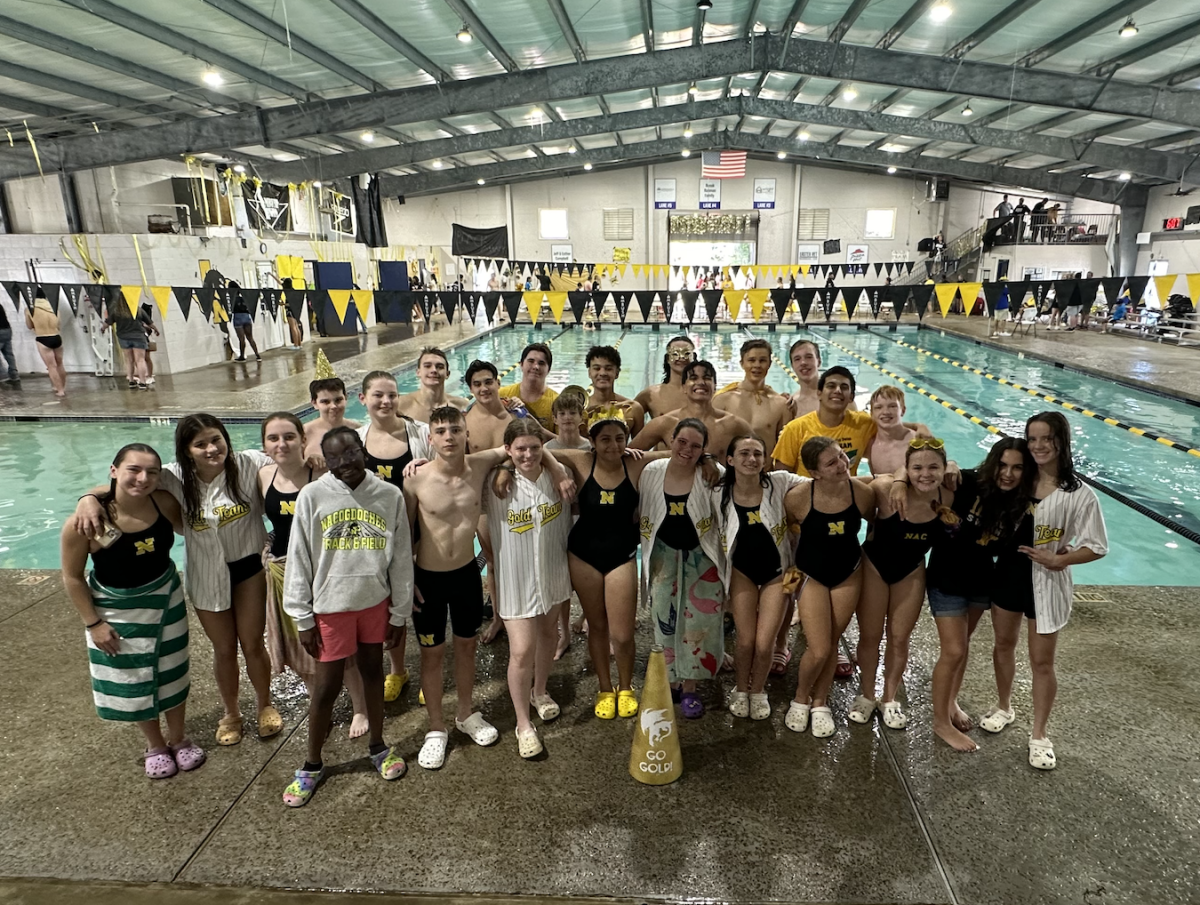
44 467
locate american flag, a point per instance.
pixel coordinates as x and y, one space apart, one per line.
722 164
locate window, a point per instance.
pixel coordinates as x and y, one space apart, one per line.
881 224
812 223
618 224
552 223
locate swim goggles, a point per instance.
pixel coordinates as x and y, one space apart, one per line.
926 443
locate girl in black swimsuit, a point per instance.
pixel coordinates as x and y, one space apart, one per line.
894 576
829 554
601 550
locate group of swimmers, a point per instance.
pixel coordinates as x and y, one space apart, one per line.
742 501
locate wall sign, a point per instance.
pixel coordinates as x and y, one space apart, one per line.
561 254
808 254
856 254
710 194
764 194
664 194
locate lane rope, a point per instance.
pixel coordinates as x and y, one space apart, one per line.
1046 397
1165 521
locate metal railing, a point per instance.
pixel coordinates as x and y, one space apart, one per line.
1052 229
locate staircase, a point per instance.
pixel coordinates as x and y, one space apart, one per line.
958 263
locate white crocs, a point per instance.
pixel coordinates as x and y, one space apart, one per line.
861 710
893 715
797 716
480 730
1041 754
739 704
996 720
823 725
760 707
433 751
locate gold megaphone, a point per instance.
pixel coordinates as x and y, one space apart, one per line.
655 758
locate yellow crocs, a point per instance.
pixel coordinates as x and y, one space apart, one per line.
627 702
393 685
606 705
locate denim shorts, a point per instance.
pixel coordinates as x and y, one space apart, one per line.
241 319
133 343
954 605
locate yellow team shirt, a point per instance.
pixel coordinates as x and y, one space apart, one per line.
854 434
540 409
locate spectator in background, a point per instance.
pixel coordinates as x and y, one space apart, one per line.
528 284
146 319
295 329
1020 215
1038 219
131 338
6 348
543 280
1119 312
243 323
44 323
1004 208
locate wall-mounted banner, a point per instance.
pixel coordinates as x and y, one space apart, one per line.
561 254
808 254
856 254
710 195
664 194
764 194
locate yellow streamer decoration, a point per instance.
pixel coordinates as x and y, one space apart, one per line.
945 296
1163 286
132 295
141 266
533 304
341 301
33 145
162 298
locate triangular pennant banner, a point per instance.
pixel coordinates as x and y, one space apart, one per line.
205 296
533 303
448 300
132 295
491 301
804 301
72 293
1040 290
512 304
1163 286
645 302
426 302
52 291
969 293
889 267
162 298
294 300
828 300
908 266
991 295
945 296
11 288
599 299
1193 284
782 298
557 302
1137 288
712 300
758 301
689 304
733 301
851 298
1087 293
340 299
622 301
252 299
1112 288
578 302
875 297
183 296
920 297
1065 292
270 298
470 302
878 269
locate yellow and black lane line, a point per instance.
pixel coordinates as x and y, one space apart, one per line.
1053 400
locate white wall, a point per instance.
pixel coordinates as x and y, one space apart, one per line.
118 199
36 205
1182 254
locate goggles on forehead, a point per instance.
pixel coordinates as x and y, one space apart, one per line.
926 443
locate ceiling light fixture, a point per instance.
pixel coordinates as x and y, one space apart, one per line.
804 136
239 168
692 89
686 152
587 166
317 184
850 93
480 181
212 77
437 164
782 155
571 149
891 170
967 111
464 35
1125 177
687 131
704 5
368 136
1129 29
941 12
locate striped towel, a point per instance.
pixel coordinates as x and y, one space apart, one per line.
150 675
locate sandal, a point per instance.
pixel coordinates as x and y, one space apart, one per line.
545 707
691 705
389 763
760 707
861 710
739 704
269 722
394 684
229 730
301 789
845 669
997 720
481 731
433 751
1041 754
627 702
528 744
822 723
188 755
797 716
893 715
160 764
606 705
780 661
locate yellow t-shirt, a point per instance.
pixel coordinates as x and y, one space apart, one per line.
854 434
540 409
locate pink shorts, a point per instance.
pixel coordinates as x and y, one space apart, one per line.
342 633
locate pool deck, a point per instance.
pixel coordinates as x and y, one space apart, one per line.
760 814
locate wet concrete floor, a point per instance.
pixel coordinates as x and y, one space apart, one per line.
760 814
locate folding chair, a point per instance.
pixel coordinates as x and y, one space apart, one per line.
1026 321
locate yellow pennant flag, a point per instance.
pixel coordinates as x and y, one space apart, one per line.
758 301
637 270
621 269
363 299
132 295
686 271
162 298
804 269
1163 286
1193 283
340 298
533 304
945 296
558 301
733 301
970 292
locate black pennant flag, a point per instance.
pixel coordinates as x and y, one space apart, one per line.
908 266
404 307
183 295
72 292
52 291
1017 290
889 267
270 298
1087 292
204 298
828 298
449 301
491 301
805 299
1065 292
425 302
11 288
227 297
95 295
1040 289
20 292
622 300
875 296
598 301
991 294
645 300
251 299
512 304
578 302
782 298
1137 288
294 299
689 304
712 299
387 306
470 302
1112 289
899 298
878 269
851 298
920 295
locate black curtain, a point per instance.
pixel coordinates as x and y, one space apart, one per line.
483 243
368 207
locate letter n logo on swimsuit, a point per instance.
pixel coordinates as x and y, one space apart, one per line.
384 471
754 517
144 546
837 528
287 507
678 509
608 497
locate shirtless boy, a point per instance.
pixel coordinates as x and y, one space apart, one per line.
885 454
700 384
433 368
805 358
443 499
329 399
751 399
604 367
667 396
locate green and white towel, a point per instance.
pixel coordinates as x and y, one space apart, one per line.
150 675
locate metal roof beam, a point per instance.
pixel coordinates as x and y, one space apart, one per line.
795 92
842 62
997 115
48 80
853 11
698 27
1110 129
751 18
942 108
36 108
380 29
1182 75
1150 163
896 96
568 30
1149 49
1110 191
989 28
480 31
793 18
148 28
648 25
1055 121
1113 14
1173 138
907 21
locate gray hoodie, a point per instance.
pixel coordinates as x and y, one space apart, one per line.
349 550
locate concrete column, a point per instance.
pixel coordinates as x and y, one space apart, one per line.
1133 221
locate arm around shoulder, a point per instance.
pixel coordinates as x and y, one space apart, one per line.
400 570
